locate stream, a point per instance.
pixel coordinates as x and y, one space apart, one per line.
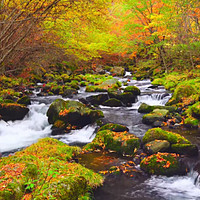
19 134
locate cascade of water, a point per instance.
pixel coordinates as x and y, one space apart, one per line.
176 187
18 134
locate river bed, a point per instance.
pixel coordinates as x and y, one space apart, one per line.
19 134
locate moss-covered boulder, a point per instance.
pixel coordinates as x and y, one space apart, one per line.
156 115
121 142
167 164
57 89
13 111
114 93
118 71
133 89
94 88
125 97
183 90
156 146
188 149
25 100
68 91
145 108
195 109
113 103
113 84
191 122
97 99
45 171
114 127
74 114
160 134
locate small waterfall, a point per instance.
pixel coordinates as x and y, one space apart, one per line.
84 135
18 134
176 187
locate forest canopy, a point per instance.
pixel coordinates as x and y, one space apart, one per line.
38 33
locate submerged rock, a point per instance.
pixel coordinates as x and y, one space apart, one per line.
13 111
167 164
72 113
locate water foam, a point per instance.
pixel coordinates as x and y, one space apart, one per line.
18 134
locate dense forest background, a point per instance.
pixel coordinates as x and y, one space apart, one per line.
155 36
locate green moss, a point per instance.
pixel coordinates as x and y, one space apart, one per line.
189 149
195 109
121 142
162 164
155 115
145 108
112 102
159 134
73 113
114 127
25 100
183 90
132 89
43 171
158 81
191 121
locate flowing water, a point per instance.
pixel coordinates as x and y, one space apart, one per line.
19 134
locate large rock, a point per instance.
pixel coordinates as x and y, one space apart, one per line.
178 144
156 146
188 149
68 91
167 164
125 97
74 114
97 99
113 103
25 100
156 115
114 127
132 89
121 142
159 134
12 111
145 108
